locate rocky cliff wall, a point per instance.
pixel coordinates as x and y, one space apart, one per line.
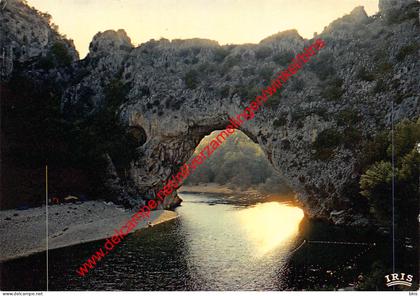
27 35
181 90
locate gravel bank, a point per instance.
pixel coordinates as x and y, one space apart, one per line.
24 232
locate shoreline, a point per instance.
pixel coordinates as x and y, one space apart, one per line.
240 196
24 232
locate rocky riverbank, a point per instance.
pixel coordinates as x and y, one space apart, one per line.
24 232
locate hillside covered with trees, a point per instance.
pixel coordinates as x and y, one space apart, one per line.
239 163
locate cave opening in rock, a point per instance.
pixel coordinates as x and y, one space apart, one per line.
238 165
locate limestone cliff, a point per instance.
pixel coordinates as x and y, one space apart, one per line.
181 90
28 35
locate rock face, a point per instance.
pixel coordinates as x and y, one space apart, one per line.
109 41
181 90
391 9
27 34
385 5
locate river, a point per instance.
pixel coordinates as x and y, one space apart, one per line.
214 245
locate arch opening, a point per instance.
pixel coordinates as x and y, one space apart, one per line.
243 205
238 165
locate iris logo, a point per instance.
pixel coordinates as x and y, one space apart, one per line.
394 279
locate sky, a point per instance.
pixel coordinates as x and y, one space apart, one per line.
226 21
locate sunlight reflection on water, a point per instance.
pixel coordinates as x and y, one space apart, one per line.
270 225
230 247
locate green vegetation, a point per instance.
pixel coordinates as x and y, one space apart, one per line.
283 58
224 91
325 143
406 50
247 91
191 79
352 137
322 65
374 281
61 54
220 54
265 73
263 52
383 68
375 182
347 117
365 75
207 67
58 55
378 74
102 133
373 150
280 121
332 89
320 111
274 100
238 162
376 188
298 116
380 86
399 97
230 62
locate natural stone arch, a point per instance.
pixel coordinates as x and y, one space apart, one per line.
180 90
167 150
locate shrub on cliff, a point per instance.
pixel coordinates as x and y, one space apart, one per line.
61 54
383 68
406 50
247 91
322 65
283 58
351 137
263 52
280 121
102 133
325 143
332 89
220 54
265 73
191 79
347 117
274 100
58 55
364 74
229 63
380 86
376 181
374 280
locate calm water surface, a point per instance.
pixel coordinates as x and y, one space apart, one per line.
212 246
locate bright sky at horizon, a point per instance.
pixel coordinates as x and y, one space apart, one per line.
226 21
